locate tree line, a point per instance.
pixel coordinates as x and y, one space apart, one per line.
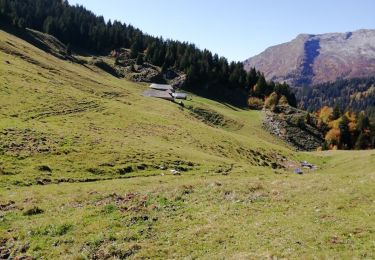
344 130
76 26
356 94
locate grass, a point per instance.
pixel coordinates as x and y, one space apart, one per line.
85 166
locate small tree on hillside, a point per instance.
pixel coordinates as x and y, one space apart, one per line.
361 142
363 122
308 119
272 101
283 101
260 87
164 68
344 133
139 59
135 49
336 113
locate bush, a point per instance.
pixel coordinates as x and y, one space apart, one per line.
33 211
44 168
272 100
283 101
95 171
125 170
255 103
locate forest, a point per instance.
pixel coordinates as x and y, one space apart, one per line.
349 94
344 130
207 73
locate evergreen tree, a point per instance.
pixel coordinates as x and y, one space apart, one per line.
260 87
308 119
336 113
139 59
363 122
344 133
361 142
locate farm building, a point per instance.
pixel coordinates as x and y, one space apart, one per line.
179 95
167 95
166 92
162 87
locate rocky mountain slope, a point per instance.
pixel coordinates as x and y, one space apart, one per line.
289 124
313 59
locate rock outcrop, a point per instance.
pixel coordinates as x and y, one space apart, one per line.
289 124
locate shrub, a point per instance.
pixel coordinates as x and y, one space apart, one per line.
125 170
95 171
272 100
283 101
333 136
255 103
44 168
33 211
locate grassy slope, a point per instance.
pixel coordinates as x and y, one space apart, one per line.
87 124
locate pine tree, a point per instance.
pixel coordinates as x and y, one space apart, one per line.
344 133
260 87
139 59
308 119
361 142
164 68
363 122
336 113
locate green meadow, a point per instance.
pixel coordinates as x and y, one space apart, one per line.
86 173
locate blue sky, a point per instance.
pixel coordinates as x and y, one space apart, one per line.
237 29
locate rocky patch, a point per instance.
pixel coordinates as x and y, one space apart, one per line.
289 124
8 206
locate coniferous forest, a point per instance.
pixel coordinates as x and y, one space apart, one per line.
356 95
75 26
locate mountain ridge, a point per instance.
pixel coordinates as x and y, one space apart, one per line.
317 58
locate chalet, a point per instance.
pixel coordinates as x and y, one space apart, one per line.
162 91
162 87
179 95
167 95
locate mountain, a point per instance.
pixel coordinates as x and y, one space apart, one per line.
314 59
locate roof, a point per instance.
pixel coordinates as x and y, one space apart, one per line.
161 87
158 94
179 95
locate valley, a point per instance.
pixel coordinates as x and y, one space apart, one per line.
91 169
264 159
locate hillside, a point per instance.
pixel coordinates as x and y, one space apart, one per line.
354 94
89 168
313 59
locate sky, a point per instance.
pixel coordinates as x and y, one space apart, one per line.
237 29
